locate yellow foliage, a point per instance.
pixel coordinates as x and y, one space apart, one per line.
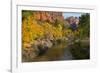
31 30
56 32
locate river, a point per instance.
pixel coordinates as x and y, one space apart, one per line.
62 51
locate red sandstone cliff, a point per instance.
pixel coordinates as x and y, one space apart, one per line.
49 16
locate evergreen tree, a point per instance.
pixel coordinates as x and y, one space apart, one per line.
84 25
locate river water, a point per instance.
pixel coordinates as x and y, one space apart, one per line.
56 53
62 51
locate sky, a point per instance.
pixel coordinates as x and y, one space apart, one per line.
68 14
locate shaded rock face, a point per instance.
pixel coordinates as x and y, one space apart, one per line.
72 20
49 16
